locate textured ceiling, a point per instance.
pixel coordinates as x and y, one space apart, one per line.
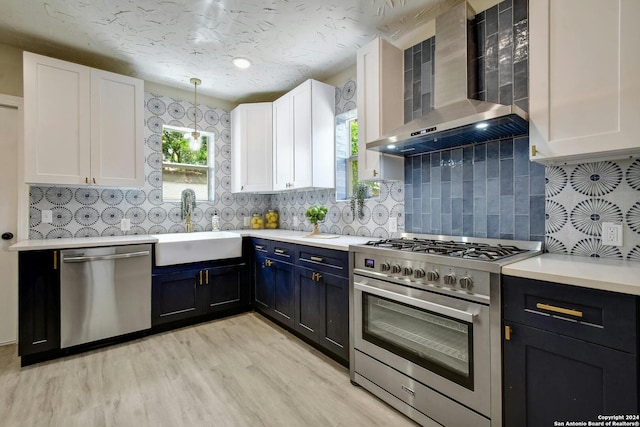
170 41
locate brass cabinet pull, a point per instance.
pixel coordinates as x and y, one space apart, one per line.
279 251
561 310
316 277
316 259
268 263
534 151
259 247
200 277
94 180
86 179
507 333
206 276
55 260
375 173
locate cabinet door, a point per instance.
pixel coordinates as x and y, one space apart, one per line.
550 377
39 302
174 296
117 120
335 321
263 283
57 121
309 300
301 119
323 135
283 285
282 144
584 102
226 287
252 151
380 107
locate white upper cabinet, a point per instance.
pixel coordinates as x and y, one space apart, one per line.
82 125
584 101
304 137
379 74
251 148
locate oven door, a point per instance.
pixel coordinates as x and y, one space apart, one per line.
441 341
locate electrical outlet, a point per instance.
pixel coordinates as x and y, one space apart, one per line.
611 234
393 224
295 221
125 224
247 221
47 216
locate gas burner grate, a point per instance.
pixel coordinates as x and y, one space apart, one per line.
470 250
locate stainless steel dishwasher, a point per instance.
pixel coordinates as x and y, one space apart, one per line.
104 292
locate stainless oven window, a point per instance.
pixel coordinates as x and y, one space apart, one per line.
434 341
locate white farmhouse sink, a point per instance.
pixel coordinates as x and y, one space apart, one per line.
183 248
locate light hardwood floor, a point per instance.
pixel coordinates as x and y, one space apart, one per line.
238 371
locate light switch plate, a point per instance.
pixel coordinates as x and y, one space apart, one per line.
611 234
125 224
47 216
393 224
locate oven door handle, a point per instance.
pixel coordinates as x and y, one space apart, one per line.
465 316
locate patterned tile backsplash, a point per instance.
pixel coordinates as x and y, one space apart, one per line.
579 198
95 211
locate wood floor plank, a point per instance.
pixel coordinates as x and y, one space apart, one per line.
239 371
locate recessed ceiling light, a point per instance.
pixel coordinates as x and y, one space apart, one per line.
482 125
241 63
391 146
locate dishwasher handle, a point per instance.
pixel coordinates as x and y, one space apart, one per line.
104 257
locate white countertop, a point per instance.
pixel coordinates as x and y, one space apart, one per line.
340 243
81 242
596 273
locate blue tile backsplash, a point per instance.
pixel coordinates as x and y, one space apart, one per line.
483 190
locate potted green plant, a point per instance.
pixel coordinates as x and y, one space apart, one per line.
315 214
360 192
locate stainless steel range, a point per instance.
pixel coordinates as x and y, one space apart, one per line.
425 325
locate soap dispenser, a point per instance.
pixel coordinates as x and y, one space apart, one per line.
215 221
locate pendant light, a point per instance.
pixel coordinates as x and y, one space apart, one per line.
195 142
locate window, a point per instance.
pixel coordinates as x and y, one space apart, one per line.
186 163
347 157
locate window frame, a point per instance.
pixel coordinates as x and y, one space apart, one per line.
210 167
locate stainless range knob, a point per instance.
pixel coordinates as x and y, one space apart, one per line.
396 268
466 282
450 279
433 276
408 271
419 273
385 266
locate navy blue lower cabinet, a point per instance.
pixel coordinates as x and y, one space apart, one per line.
569 353
273 288
174 296
550 377
283 283
309 300
322 309
225 287
38 302
185 292
263 283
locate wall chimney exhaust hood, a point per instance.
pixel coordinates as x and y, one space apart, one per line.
455 119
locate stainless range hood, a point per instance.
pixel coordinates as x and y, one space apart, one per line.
455 119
